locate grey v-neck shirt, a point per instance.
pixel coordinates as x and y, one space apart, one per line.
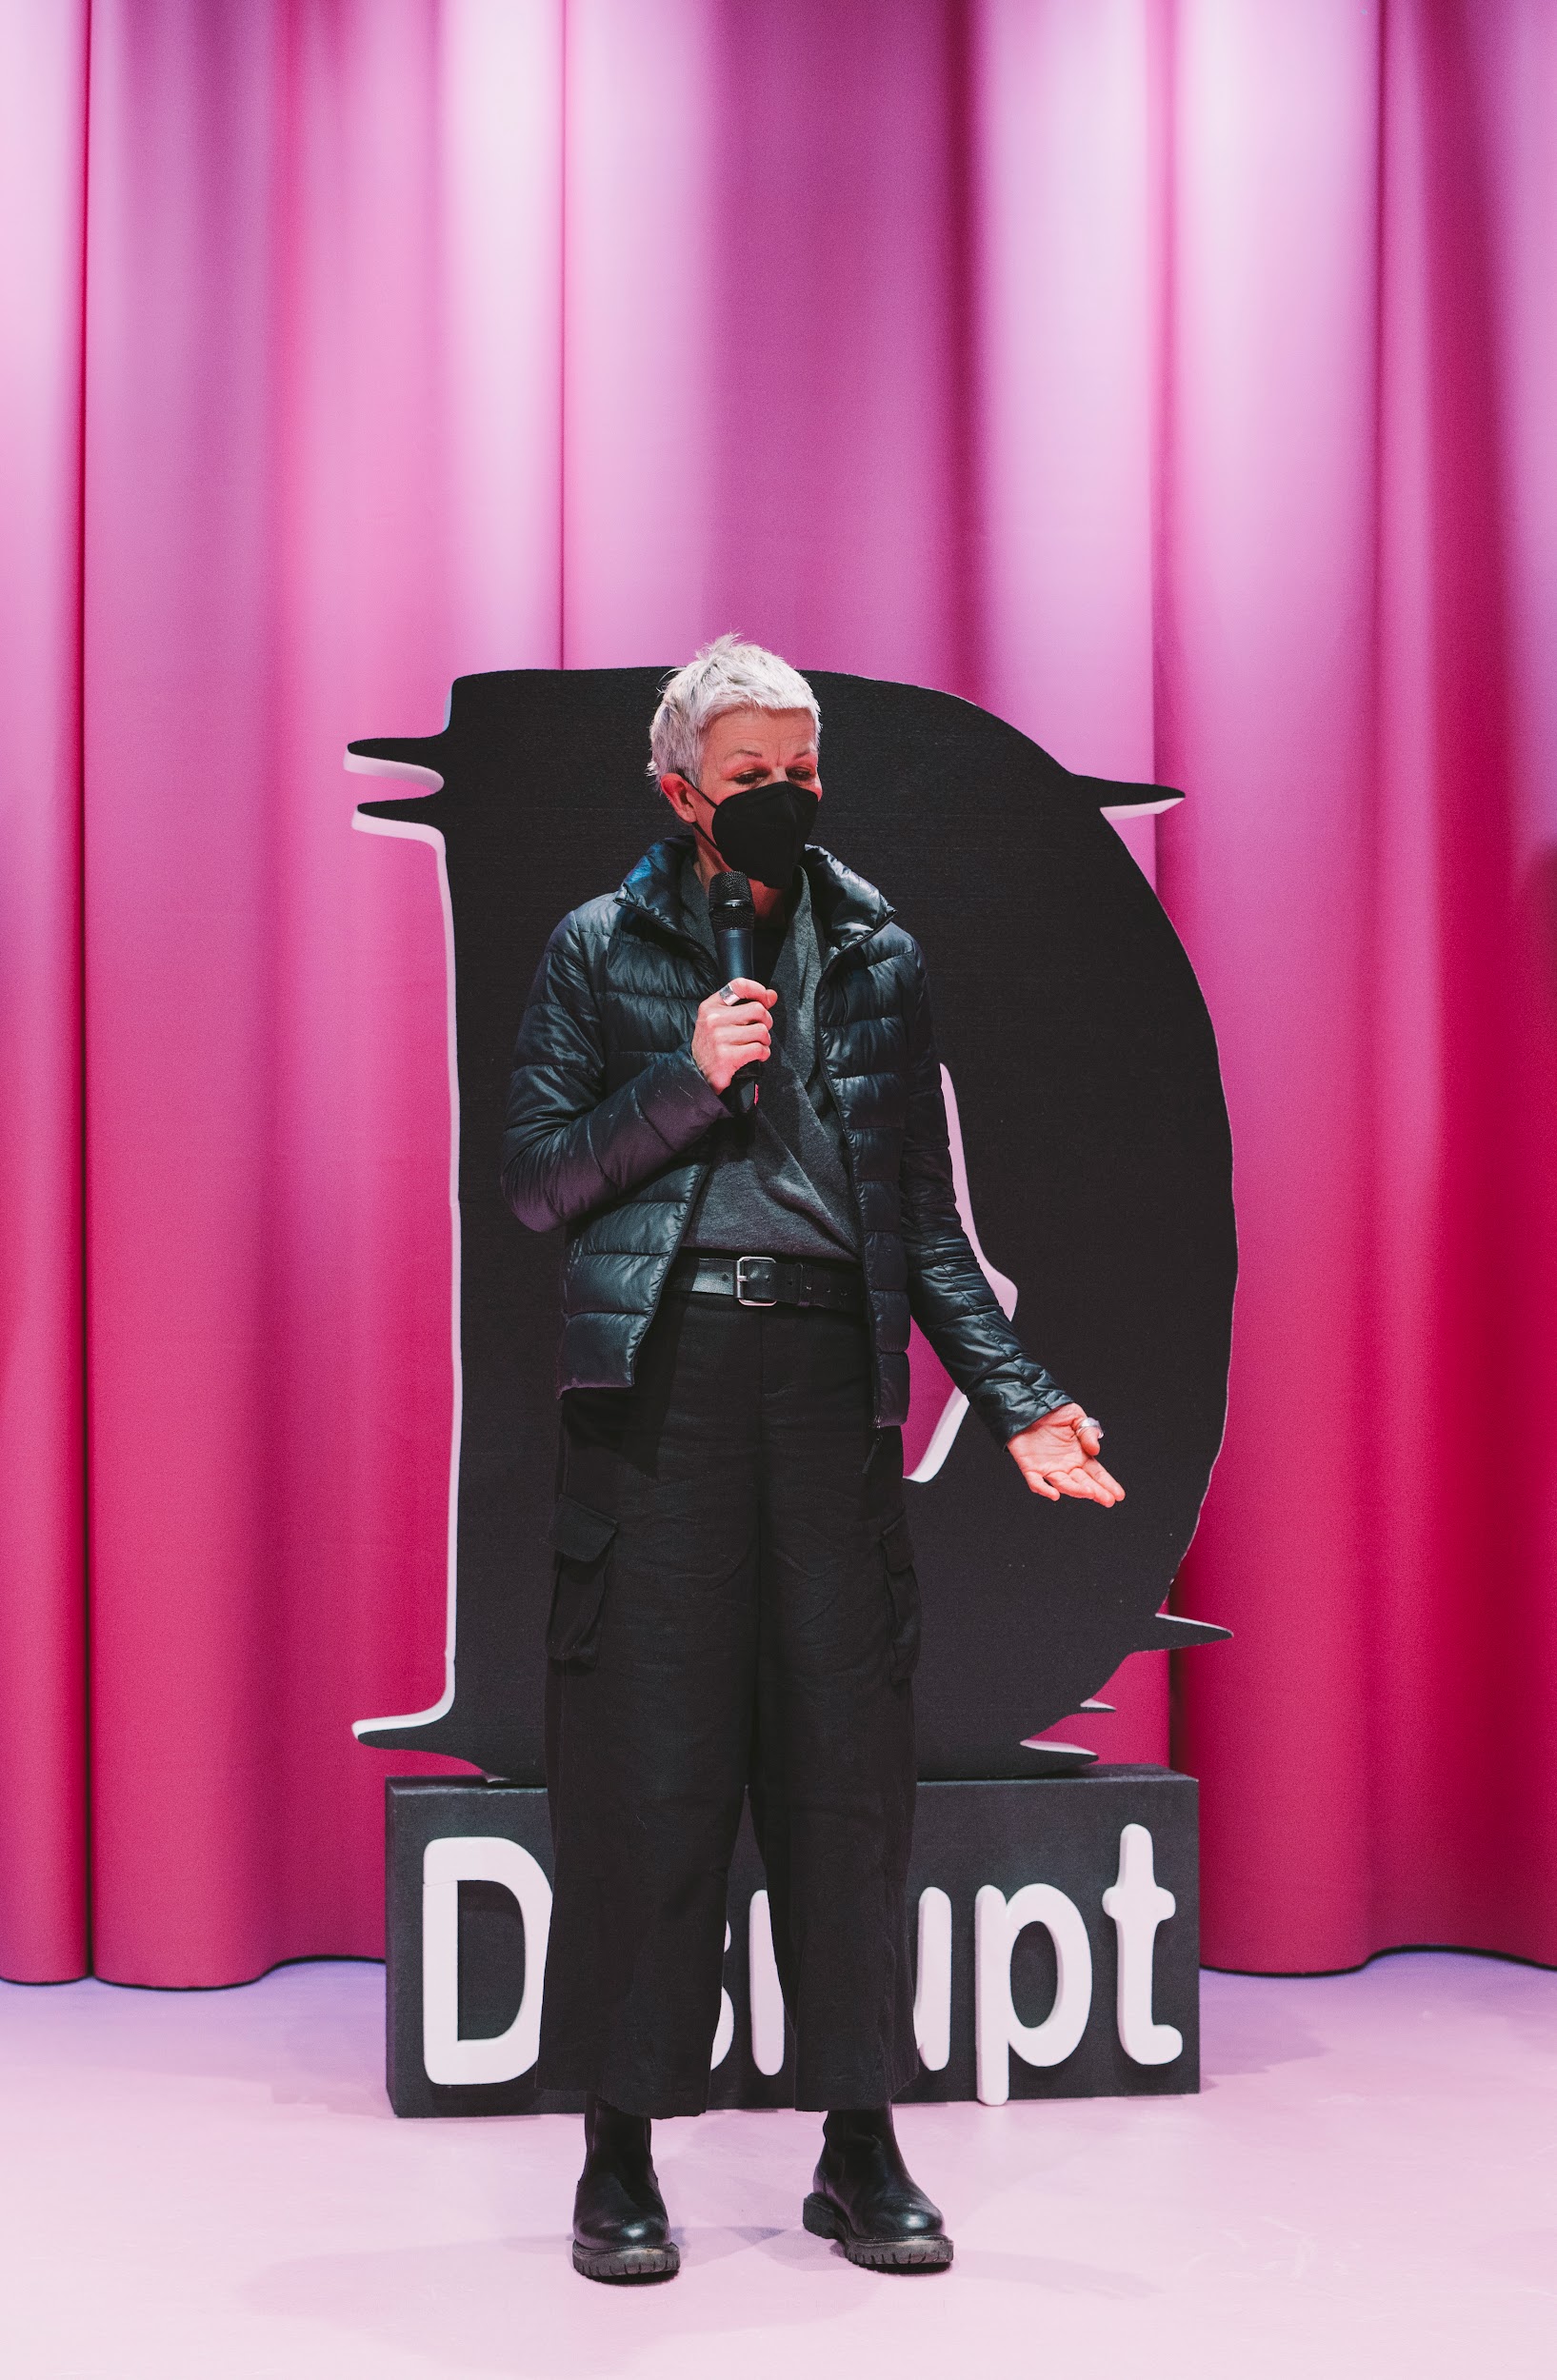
778 1184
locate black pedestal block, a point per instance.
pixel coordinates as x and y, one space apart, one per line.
1103 1995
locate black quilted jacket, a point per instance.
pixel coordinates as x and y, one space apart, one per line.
607 1110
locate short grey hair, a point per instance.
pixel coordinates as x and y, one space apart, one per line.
725 676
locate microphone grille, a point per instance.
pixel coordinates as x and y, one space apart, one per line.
730 891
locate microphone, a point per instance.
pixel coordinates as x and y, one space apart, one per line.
733 916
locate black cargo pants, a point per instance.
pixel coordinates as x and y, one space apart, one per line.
734 1606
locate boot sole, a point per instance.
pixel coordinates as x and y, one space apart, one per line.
627 2263
878 2255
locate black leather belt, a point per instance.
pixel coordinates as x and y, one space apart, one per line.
770 1280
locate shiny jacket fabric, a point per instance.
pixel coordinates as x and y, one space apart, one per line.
608 1111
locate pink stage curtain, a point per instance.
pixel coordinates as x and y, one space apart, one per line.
42 1797
1174 379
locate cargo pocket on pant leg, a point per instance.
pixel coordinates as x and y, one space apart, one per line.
903 1588
581 1546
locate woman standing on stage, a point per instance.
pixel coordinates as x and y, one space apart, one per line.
735 1605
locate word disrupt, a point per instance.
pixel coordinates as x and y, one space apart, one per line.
1136 1903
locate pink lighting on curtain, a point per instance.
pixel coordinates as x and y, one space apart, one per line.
322 478
43 1804
1174 377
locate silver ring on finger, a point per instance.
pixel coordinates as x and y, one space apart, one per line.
1090 1422
728 994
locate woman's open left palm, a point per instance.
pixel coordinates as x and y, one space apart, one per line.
1058 1457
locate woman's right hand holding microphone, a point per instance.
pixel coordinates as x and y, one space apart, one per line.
732 1030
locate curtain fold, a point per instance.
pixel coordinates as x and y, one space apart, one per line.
42 1790
324 379
1346 654
1173 377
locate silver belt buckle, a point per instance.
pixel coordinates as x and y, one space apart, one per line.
756 1281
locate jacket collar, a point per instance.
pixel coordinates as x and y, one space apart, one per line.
846 908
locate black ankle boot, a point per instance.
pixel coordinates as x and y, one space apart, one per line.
863 2196
620 2230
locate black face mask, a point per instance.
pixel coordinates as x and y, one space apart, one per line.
762 830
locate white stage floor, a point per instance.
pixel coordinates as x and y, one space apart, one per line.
210 2186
